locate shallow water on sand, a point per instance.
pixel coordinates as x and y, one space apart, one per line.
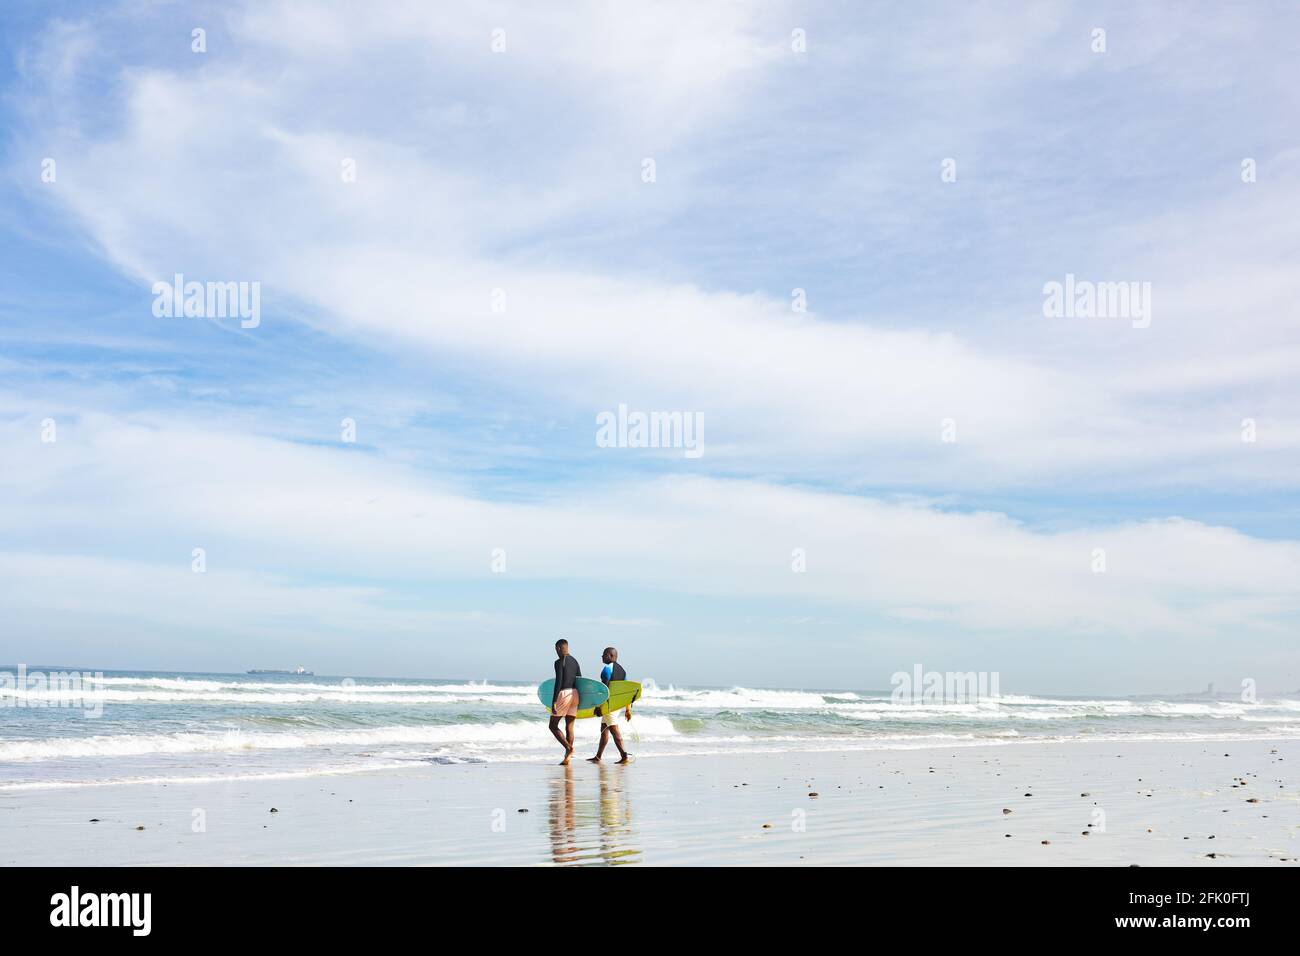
1081 803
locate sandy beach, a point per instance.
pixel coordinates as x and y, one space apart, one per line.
1205 803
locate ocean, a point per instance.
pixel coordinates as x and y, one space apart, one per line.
176 727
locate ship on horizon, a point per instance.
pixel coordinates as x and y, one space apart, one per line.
296 672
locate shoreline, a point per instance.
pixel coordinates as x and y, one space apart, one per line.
856 746
1148 803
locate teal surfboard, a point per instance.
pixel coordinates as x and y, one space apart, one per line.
591 693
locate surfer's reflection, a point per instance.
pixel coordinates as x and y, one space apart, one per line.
615 817
564 831
586 830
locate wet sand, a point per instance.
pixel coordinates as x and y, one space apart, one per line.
1150 803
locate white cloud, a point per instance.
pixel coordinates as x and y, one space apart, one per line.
520 171
226 169
110 487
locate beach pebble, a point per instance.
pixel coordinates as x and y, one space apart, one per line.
814 793
94 819
522 810
139 828
1005 811
274 810
767 826
1253 800
1047 843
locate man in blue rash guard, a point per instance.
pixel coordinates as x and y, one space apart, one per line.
613 671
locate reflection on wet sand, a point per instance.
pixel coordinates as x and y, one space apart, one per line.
591 817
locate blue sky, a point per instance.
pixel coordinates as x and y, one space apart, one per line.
776 170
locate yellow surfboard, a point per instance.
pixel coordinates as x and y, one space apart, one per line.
621 694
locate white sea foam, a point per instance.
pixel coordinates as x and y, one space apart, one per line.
201 778
738 698
675 746
357 696
233 741
195 685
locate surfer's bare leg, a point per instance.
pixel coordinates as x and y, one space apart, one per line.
604 739
618 742
555 729
568 744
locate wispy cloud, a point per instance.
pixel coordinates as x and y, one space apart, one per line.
461 253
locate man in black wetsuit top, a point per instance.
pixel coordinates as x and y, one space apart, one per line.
564 700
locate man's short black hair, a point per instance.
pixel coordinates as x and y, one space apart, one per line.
612 652
561 641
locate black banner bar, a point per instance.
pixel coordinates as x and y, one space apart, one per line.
298 905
